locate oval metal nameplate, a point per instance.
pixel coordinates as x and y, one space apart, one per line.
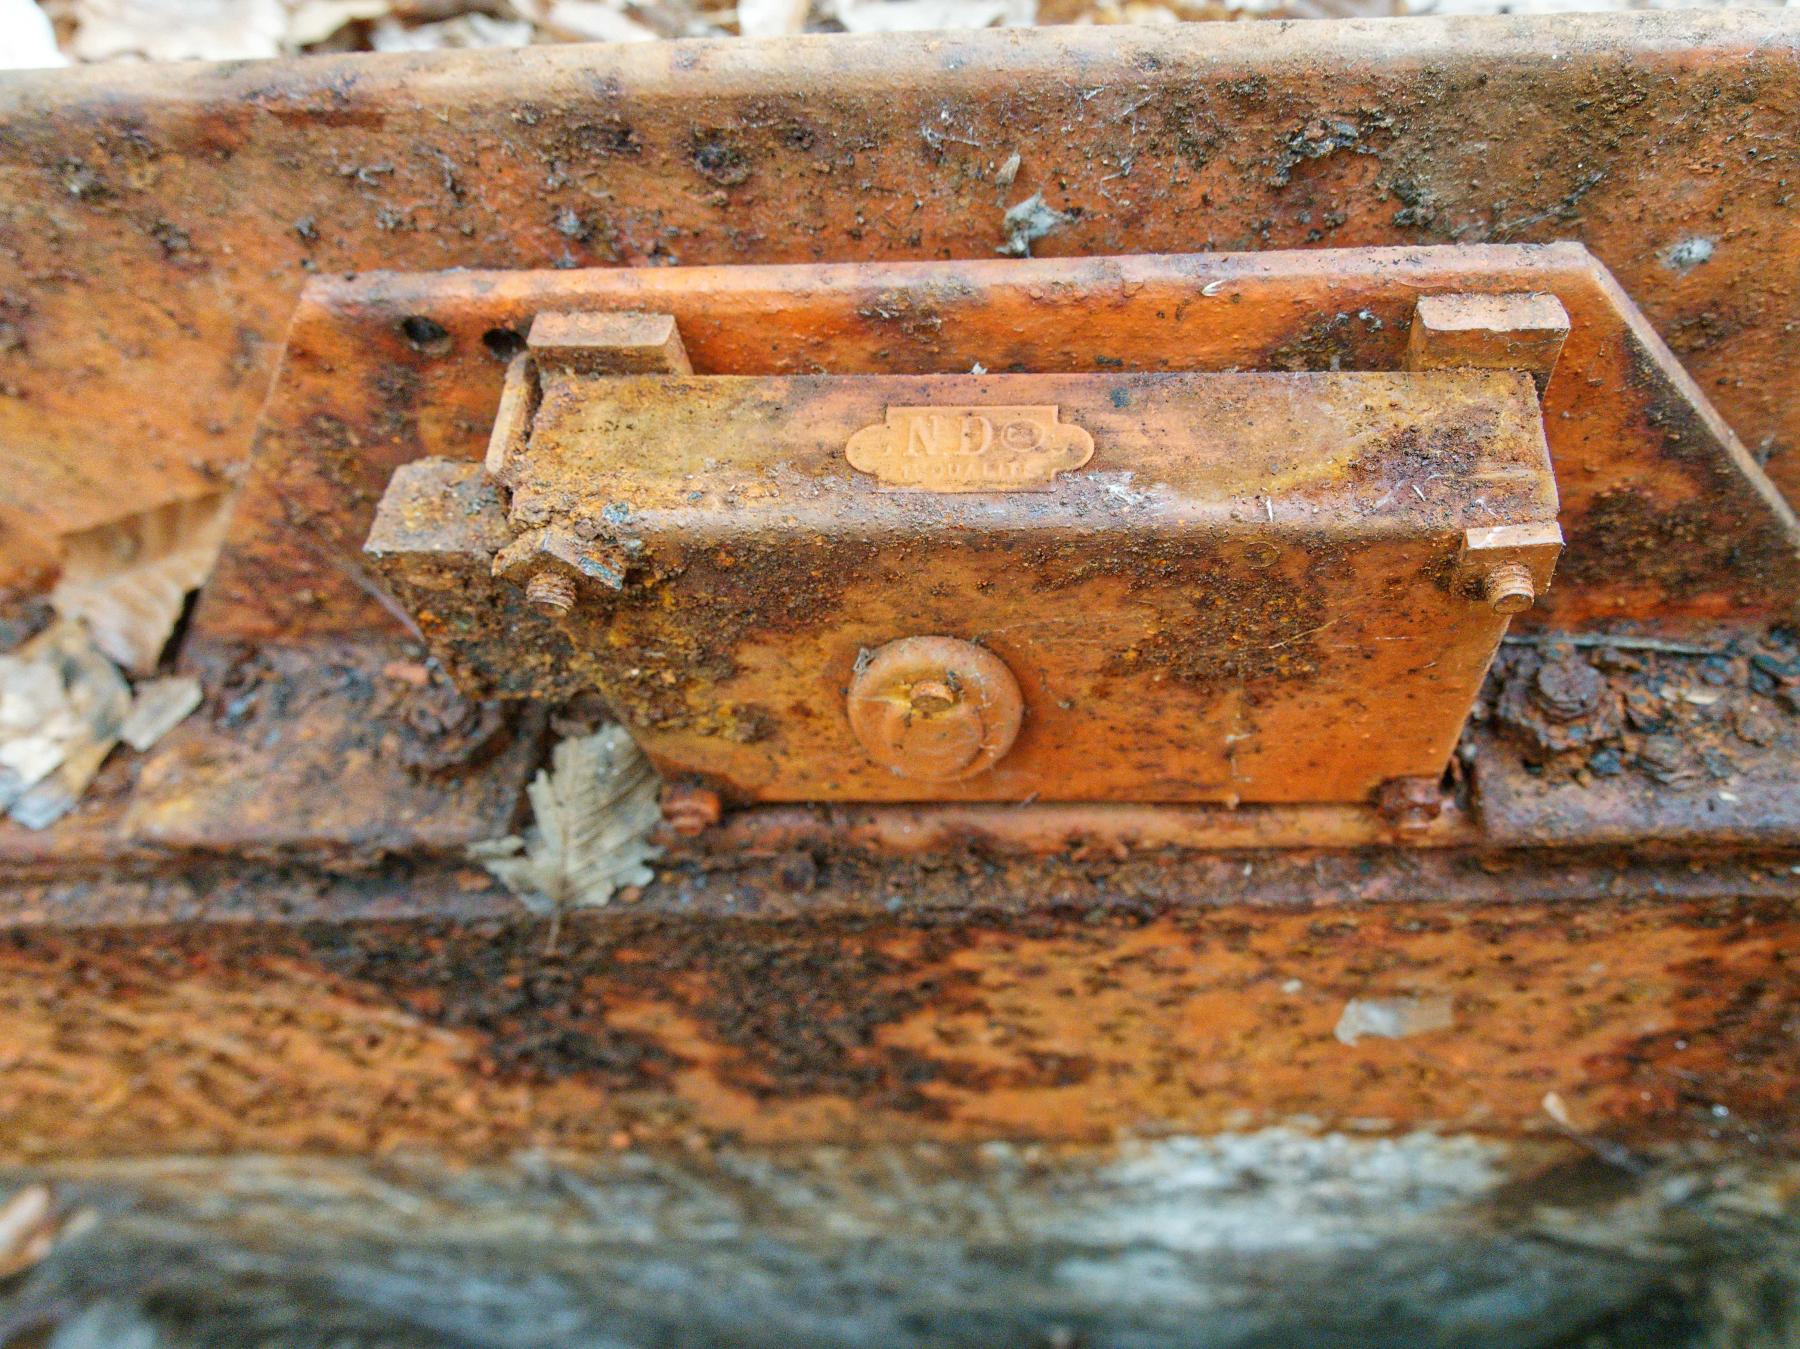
970 449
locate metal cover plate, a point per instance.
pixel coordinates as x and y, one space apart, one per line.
1246 593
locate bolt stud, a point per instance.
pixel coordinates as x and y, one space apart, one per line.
550 593
1409 805
1509 588
690 810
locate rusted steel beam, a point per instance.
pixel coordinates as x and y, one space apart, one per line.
158 222
1649 1021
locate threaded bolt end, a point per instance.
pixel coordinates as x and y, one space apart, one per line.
551 593
1509 588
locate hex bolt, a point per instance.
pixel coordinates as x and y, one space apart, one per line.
1509 589
690 810
550 593
1409 805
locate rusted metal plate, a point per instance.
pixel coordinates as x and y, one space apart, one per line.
1648 1020
1666 517
1080 832
348 753
447 527
1224 587
158 222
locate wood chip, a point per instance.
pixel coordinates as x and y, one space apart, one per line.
80 708
1393 1018
157 707
27 1229
128 580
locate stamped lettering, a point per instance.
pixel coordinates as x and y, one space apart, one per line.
970 449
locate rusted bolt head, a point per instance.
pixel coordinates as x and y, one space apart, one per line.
1410 804
1509 589
1566 688
550 593
935 709
690 810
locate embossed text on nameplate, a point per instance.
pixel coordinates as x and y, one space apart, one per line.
970 449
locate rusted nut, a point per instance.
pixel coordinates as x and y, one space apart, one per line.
550 593
1409 805
1509 589
442 732
1566 689
1557 703
690 810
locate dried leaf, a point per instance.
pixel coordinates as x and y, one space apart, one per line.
27 38
129 579
463 31
592 21
315 21
178 30
772 18
901 16
592 815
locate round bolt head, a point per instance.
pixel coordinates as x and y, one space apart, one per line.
935 709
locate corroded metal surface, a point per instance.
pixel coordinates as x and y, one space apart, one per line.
1248 593
155 227
1648 1020
1082 831
158 222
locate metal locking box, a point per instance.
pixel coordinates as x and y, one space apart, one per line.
1133 587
